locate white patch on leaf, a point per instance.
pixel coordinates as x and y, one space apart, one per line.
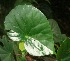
35 48
13 35
15 38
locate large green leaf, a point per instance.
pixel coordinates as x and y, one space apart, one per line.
6 50
28 22
63 53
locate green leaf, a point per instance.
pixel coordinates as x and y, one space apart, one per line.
63 53
6 50
56 30
21 46
28 22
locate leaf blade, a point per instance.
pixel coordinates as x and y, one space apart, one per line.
27 20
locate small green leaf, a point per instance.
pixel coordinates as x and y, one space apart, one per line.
21 46
63 53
